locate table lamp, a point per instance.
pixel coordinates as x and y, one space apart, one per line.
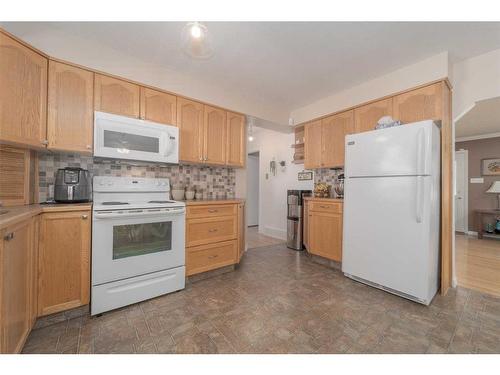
495 189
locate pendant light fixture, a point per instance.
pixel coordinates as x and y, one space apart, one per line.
250 130
196 41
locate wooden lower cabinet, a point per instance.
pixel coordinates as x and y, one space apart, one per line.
215 236
64 254
324 229
17 256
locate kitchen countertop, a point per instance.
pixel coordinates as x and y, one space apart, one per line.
196 202
16 214
340 200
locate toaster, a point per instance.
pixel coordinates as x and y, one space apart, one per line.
72 185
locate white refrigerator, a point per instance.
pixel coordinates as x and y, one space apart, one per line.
391 209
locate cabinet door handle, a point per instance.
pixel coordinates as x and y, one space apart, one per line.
84 217
201 158
9 236
45 142
212 230
89 147
212 256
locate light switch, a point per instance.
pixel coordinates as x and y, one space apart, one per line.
477 180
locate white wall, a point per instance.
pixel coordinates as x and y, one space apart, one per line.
431 69
475 79
272 191
252 204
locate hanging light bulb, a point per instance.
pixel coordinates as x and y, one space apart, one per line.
250 131
196 41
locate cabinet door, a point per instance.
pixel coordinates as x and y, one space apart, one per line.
113 95
325 235
23 94
366 117
312 145
305 230
15 285
241 230
421 104
70 108
64 276
190 123
158 106
214 145
236 140
333 132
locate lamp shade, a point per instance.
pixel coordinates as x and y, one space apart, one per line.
494 188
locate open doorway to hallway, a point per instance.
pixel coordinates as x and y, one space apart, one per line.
254 238
477 190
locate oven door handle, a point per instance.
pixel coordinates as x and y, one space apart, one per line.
101 215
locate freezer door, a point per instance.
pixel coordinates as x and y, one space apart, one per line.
399 151
386 237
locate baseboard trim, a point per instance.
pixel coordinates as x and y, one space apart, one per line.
274 232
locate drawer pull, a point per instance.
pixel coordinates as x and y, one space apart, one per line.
324 206
212 256
213 211
84 217
212 230
9 236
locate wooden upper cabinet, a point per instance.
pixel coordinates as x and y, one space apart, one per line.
367 116
70 108
158 106
214 145
190 123
333 132
23 94
64 258
425 103
312 145
116 96
236 140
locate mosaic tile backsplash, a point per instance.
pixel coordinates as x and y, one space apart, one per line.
216 182
328 176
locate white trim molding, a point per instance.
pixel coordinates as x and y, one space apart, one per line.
476 137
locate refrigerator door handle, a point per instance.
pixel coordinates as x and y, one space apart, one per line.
421 152
419 199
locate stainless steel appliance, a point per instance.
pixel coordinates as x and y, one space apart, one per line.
137 241
72 185
338 186
295 220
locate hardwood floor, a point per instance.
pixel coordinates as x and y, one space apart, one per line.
256 239
478 263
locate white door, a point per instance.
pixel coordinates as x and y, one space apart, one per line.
461 191
252 206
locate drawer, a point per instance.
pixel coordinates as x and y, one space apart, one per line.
208 257
212 210
209 230
332 207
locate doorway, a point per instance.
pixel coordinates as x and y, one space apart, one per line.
477 242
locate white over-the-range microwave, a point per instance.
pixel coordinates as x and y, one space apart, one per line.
121 137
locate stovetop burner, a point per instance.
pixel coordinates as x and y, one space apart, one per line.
161 202
113 203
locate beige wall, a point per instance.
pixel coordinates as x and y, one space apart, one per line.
431 69
480 149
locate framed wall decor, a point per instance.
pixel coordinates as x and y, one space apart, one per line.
305 176
490 167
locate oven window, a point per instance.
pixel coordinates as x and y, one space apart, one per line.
134 142
139 239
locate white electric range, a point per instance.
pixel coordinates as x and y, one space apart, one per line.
137 241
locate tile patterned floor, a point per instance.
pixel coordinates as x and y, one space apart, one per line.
279 301
256 239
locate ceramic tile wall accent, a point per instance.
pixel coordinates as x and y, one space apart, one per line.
326 175
217 182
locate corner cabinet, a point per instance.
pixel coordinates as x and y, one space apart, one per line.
23 94
17 275
116 96
236 140
425 103
64 258
70 122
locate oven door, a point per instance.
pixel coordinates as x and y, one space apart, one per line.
128 243
122 137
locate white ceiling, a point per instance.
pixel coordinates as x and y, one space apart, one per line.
481 120
289 64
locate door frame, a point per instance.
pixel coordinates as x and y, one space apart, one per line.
466 188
